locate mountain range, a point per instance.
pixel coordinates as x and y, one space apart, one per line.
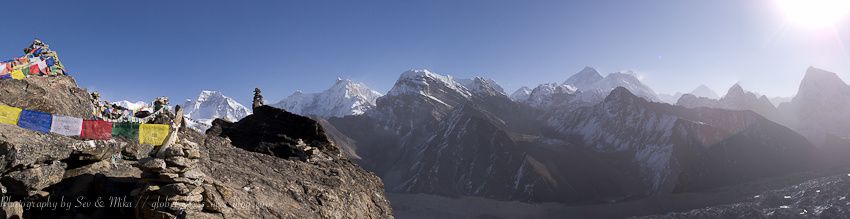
588 139
344 98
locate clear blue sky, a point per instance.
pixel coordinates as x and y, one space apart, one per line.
141 49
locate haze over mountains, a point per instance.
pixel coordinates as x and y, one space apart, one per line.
588 139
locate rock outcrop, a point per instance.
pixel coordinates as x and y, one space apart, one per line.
56 95
278 133
200 176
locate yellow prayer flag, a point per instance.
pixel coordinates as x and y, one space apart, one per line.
17 74
9 115
153 134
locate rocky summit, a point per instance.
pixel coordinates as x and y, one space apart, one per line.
45 175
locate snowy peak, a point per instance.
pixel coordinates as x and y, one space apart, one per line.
482 86
704 91
627 80
424 82
544 94
212 105
350 89
584 78
521 94
345 97
131 105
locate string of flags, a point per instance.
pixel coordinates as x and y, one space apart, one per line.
38 60
152 134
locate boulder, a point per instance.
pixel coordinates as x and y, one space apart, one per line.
55 95
24 182
21 147
276 132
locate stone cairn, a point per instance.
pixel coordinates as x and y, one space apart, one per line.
258 98
175 183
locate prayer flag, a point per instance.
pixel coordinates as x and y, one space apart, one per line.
153 134
34 120
51 61
34 69
26 70
9 115
42 65
125 130
18 74
96 130
66 125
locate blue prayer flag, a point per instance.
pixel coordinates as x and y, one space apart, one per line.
36 121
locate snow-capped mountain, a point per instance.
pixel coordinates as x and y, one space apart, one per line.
735 99
679 149
704 91
344 98
521 94
433 134
584 79
584 88
600 89
550 95
481 84
131 105
211 105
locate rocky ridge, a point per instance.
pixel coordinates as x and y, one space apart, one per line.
205 176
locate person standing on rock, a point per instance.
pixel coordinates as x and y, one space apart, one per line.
258 98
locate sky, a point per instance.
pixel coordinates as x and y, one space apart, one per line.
137 50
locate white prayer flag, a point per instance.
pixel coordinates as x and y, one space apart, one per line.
66 125
42 64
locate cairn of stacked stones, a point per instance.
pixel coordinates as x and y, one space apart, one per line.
174 182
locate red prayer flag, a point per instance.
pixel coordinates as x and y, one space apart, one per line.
34 70
96 130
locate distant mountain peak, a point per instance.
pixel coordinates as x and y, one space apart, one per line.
816 79
212 105
584 78
344 97
422 81
735 90
482 85
620 94
521 94
705 91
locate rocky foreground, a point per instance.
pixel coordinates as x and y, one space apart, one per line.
202 176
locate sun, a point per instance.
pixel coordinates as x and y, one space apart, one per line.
814 13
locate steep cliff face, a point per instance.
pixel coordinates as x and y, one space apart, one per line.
44 168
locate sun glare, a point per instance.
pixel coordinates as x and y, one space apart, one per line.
814 13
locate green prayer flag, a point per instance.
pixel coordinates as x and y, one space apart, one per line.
26 70
126 130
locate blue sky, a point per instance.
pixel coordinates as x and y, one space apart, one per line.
141 49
